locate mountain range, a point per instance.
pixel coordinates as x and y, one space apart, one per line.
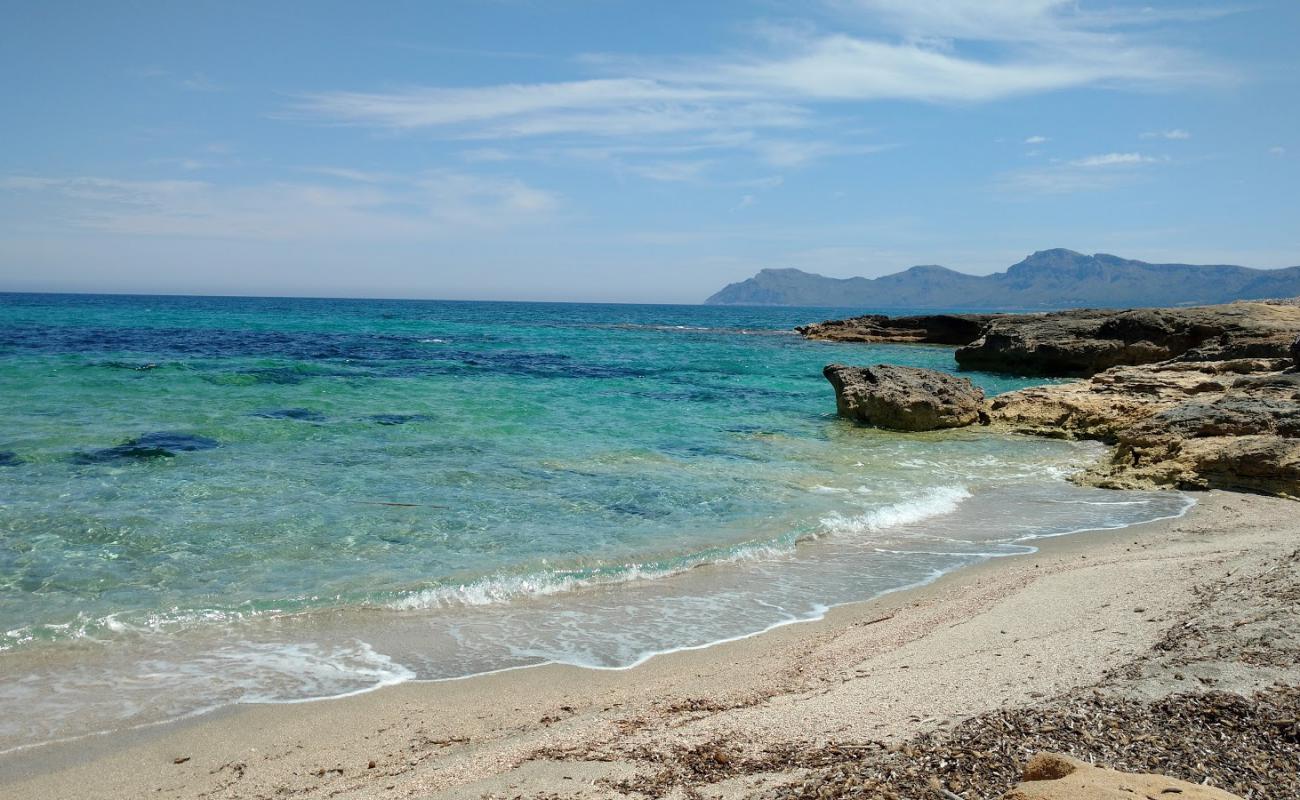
1047 279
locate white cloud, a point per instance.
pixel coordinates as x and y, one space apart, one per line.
1113 160
358 205
1037 140
1174 134
1277 151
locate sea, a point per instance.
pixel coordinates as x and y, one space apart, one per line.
217 500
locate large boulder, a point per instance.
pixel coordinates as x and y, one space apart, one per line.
904 398
1085 342
1049 776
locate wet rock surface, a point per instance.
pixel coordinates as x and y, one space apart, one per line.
904 398
877 328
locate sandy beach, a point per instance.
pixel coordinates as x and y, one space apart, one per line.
1111 610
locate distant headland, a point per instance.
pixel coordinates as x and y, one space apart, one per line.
1048 279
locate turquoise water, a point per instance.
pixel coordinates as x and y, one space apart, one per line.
213 500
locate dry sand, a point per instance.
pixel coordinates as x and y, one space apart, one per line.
1166 607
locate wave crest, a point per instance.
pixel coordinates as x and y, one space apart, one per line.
936 502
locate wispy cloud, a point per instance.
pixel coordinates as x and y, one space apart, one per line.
1173 134
1277 150
1114 160
1037 140
1087 174
777 90
353 204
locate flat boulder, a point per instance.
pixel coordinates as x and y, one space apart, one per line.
904 398
1049 776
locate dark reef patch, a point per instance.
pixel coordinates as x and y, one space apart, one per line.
163 444
9 458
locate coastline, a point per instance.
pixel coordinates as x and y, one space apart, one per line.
884 669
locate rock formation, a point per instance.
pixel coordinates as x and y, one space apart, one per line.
1049 776
1193 398
1085 342
925 329
904 398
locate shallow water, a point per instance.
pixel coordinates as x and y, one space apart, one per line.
211 500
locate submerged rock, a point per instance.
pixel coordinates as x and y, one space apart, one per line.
164 444
1049 776
904 398
9 458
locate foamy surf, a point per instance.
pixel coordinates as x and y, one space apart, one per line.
931 503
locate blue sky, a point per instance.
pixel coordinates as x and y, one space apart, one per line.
609 150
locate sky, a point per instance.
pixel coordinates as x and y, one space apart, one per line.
608 150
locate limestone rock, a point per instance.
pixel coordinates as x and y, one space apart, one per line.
1114 400
1177 424
1247 438
1049 776
904 398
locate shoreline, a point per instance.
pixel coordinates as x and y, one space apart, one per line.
692 581
680 694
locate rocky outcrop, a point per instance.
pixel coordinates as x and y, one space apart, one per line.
1085 342
1049 776
1190 425
1114 400
1246 438
955 329
1193 398
904 398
